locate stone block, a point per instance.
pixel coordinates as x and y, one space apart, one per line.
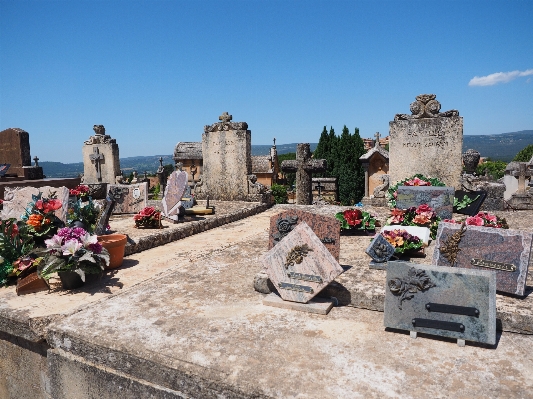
129 198
15 149
327 228
504 252
316 305
438 198
443 301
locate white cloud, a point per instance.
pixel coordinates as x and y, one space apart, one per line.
498 77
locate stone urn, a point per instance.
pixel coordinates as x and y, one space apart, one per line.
471 160
115 245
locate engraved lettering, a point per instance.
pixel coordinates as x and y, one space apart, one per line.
506 267
296 287
305 277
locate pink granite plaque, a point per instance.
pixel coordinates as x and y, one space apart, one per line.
300 266
176 186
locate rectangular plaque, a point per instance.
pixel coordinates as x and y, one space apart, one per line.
129 198
439 300
438 198
502 251
478 197
295 287
305 277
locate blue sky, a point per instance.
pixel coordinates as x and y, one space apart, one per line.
155 72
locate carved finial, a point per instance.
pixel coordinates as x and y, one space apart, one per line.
225 117
99 130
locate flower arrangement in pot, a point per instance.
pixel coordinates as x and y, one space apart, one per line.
416 180
148 217
83 214
356 219
15 243
40 216
73 251
422 216
485 219
402 241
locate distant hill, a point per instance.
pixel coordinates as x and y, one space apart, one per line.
502 147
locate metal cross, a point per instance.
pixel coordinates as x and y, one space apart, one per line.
36 161
225 117
96 157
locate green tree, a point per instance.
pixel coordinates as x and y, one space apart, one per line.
327 149
524 155
289 177
496 169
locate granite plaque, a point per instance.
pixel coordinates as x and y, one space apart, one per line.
300 266
176 186
504 252
380 250
16 200
129 198
438 198
470 208
445 301
326 228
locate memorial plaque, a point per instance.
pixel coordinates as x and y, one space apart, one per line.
472 209
380 250
103 216
129 198
438 198
176 186
445 301
505 252
16 200
326 228
300 266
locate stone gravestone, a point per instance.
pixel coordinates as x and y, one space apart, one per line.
504 252
438 198
101 163
521 199
15 150
300 266
444 301
304 166
16 200
427 142
176 186
326 228
227 165
129 198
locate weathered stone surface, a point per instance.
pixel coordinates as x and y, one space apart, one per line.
415 295
429 144
101 160
176 186
299 265
316 305
327 228
16 200
438 198
15 149
129 198
512 248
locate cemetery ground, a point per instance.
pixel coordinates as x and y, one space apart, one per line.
182 320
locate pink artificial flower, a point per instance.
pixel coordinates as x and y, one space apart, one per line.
397 215
474 221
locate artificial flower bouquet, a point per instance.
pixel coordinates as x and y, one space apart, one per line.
85 212
81 192
485 219
402 241
356 219
40 215
15 244
416 180
422 216
73 249
148 217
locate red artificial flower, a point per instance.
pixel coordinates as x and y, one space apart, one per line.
397 215
474 221
353 216
421 219
423 208
147 212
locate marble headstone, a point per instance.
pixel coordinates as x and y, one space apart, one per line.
176 187
504 252
16 200
438 198
444 301
300 266
129 198
327 228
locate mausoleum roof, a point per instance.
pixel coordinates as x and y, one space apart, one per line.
370 153
261 164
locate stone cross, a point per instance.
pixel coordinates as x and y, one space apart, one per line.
377 139
96 157
522 174
304 166
319 187
225 117
36 159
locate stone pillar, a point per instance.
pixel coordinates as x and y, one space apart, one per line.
101 162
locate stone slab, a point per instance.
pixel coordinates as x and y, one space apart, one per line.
444 301
420 232
327 228
129 198
438 198
300 266
487 244
316 305
16 200
176 187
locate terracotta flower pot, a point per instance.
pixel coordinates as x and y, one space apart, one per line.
115 245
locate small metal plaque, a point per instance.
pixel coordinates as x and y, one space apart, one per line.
136 193
506 267
296 287
438 325
306 277
453 309
328 240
